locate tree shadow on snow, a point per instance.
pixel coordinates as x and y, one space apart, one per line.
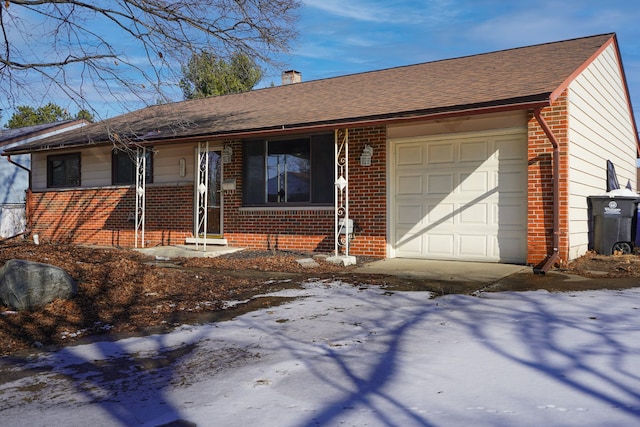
587 354
352 381
130 386
550 334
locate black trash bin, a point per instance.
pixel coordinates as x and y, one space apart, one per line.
613 222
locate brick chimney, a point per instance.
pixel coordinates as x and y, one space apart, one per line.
291 76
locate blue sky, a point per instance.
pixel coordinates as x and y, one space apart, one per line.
338 37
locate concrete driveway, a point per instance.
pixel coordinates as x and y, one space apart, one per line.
442 270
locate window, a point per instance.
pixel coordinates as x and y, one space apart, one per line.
123 164
63 170
289 171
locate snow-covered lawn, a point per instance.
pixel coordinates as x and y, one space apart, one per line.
343 355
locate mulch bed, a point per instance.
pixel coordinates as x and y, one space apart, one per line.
124 291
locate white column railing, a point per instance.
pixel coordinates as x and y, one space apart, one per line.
141 182
201 193
341 194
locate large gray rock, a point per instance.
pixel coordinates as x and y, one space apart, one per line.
25 285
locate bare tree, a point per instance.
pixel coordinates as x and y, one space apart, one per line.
128 50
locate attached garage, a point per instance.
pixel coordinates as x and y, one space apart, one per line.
460 196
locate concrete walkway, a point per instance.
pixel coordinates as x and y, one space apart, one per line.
187 251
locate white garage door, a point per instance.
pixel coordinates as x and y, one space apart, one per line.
461 197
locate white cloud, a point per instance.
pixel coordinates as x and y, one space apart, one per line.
362 11
396 12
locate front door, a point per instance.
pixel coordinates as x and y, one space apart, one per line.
214 207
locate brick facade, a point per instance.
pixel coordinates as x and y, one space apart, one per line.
105 216
540 183
368 191
313 229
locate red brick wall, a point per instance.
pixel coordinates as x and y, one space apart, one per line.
105 216
540 184
313 229
368 191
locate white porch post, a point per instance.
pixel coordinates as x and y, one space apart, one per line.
141 182
341 198
201 193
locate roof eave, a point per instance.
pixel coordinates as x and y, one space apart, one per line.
539 101
524 103
52 129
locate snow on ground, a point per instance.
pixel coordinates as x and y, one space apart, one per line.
355 356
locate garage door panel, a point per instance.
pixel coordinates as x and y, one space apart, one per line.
410 244
475 182
473 246
510 214
440 153
473 151
410 184
410 214
467 199
440 183
510 148
507 245
511 181
439 213
474 214
409 155
440 245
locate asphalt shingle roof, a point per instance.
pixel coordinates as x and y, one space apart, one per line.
8 136
503 78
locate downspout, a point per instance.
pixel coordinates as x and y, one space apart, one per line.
27 207
20 166
554 255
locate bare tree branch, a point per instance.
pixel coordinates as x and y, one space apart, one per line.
125 50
